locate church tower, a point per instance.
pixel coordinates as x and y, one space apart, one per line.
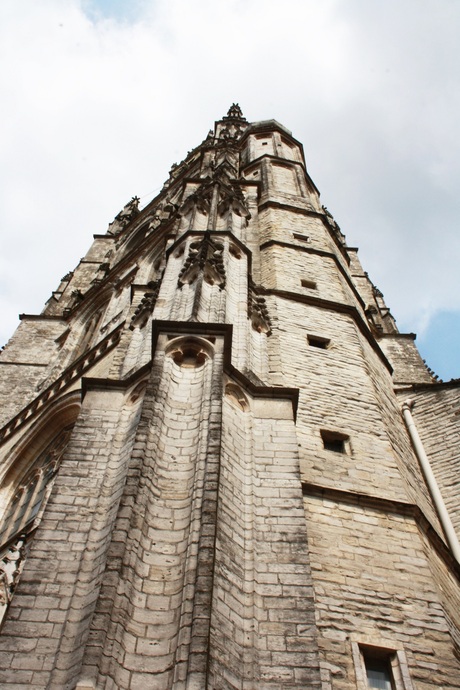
221 465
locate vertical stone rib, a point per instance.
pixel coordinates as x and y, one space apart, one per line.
212 220
192 651
250 661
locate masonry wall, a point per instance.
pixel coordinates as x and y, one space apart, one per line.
67 556
437 416
263 629
200 532
373 585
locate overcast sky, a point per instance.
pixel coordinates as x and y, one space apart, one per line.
100 97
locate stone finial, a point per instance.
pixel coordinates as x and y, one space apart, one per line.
235 112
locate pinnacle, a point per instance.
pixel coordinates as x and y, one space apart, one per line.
235 112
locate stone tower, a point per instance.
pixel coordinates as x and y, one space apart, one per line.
213 473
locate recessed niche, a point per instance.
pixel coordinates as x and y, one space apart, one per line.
234 251
189 352
236 396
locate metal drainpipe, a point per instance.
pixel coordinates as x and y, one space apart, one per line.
430 480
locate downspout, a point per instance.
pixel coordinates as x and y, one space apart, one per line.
440 506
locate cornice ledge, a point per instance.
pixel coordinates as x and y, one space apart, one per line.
407 336
435 385
41 317
306 212
92 384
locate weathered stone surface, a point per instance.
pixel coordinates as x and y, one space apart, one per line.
239 506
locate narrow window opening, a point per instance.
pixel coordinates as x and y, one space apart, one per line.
334 441
378 670
334 444
308 284
302 238
317 341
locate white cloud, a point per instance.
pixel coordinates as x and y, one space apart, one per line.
99 103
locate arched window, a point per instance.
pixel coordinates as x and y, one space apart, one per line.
24 512
89 332
29 497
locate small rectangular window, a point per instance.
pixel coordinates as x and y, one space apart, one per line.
308 284
302 238
334 444
378 674
334 441
380 668
318 341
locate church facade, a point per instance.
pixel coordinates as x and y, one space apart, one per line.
221 465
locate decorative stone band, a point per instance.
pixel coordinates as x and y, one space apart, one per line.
69 376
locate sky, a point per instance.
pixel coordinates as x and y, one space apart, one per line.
100 97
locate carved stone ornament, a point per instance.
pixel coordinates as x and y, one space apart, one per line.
231 197
189 352
102 272
233 124
146 306
68 277
76 297
258 312
205 256
372 314
334 226
11 562
164 212
126 215
235 114
201 198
